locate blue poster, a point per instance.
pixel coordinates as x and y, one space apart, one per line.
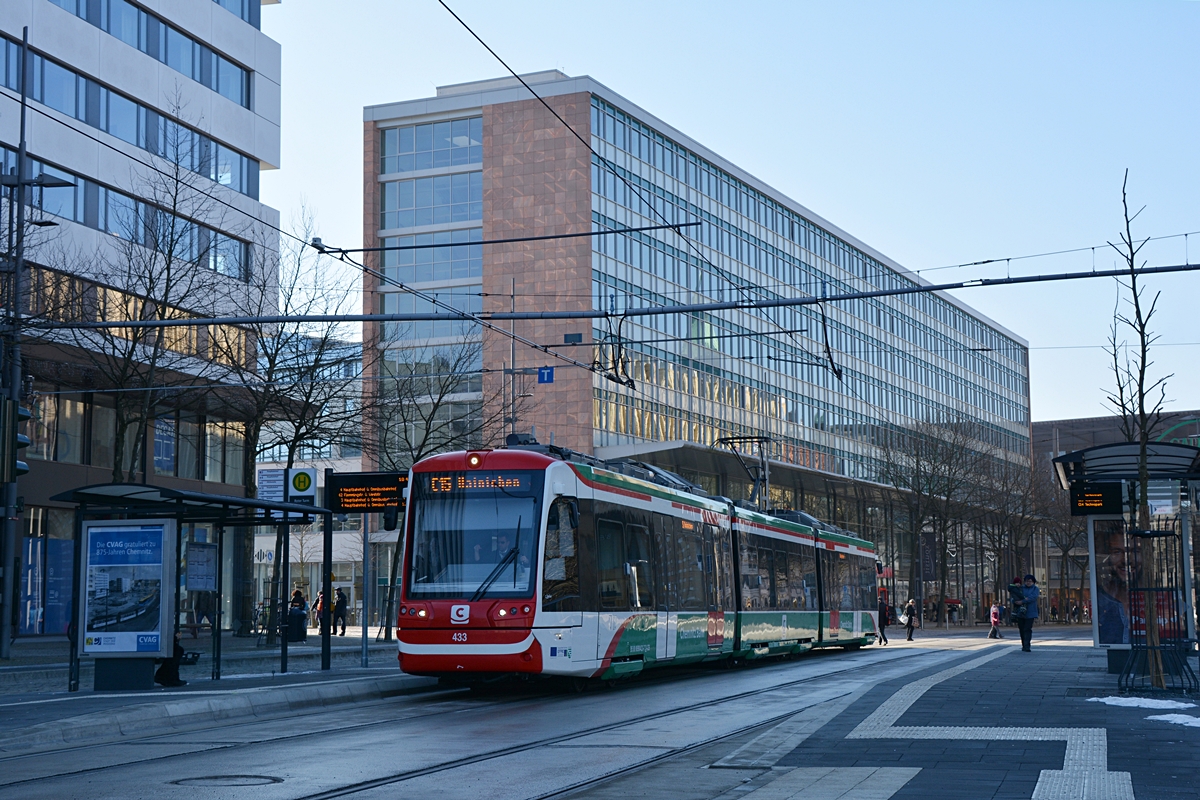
125 582
60 565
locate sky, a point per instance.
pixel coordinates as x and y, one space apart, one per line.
939 133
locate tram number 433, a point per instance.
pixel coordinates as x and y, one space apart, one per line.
458 637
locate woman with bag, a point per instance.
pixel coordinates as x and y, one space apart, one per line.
909 618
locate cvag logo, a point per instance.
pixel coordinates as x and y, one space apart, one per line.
460 615
147 642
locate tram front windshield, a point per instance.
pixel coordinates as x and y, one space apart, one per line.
474 533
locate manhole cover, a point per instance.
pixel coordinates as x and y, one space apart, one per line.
228 780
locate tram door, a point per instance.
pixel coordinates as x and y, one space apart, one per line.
666 629
625 577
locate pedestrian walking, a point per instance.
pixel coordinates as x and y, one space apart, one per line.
318 609
994 633
909 618
1054 612
885 613
339 610
1029 611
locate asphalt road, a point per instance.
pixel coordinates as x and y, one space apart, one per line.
879 723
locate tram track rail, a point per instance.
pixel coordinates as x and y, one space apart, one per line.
477 758
475 705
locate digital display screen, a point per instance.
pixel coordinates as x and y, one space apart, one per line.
482 480
351 492
1096 498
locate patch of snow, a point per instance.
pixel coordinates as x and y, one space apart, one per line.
1142 702
1178 719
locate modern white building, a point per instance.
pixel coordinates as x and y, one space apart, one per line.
163 114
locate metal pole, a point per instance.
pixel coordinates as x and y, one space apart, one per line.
285 568
327 587
77 595
216 665
8 548
366 574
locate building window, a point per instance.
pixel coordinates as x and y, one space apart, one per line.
432 201
436 263
169 45
78 96
462 298
432 145
133 220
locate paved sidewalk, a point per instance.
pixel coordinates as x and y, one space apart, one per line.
36 710
41 664
1000 723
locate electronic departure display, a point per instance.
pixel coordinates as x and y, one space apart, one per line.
1096 498
438 483
354 492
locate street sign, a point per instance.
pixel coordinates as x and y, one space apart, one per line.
545 374
364 492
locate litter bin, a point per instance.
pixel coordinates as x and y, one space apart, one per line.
297 627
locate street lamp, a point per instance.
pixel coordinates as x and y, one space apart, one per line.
17 184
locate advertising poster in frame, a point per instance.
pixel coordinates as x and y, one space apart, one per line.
127 595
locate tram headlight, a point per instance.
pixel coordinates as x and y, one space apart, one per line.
403 611
501 613
474 460
421 613
525 609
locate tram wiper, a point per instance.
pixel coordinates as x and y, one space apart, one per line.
495 573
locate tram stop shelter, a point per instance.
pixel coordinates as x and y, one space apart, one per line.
1134 568
127 542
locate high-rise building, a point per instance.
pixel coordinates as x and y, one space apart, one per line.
161 114
486 160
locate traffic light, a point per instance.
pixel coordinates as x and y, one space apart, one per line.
391 518
12 442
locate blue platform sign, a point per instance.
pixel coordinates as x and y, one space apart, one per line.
545 374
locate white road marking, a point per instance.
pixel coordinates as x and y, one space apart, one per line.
836 783
765 750
1084 775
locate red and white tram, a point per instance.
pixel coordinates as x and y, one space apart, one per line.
535 560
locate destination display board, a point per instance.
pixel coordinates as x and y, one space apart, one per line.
1096 498
365 492
482 480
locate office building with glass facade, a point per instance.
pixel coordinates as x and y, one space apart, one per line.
485 160
161 117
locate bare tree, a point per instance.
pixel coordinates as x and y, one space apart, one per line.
165 260
427 400
934 463
1137 397
302 388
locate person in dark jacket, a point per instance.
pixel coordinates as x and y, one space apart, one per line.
168 673
339 610
885 613
1029 611
910 612
1016 596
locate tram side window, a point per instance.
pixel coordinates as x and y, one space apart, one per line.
689 565
796 593
749 570
783 590
663 539
611 564
866 582
847 581
723 571
560 575
766 562
808 564
641 567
